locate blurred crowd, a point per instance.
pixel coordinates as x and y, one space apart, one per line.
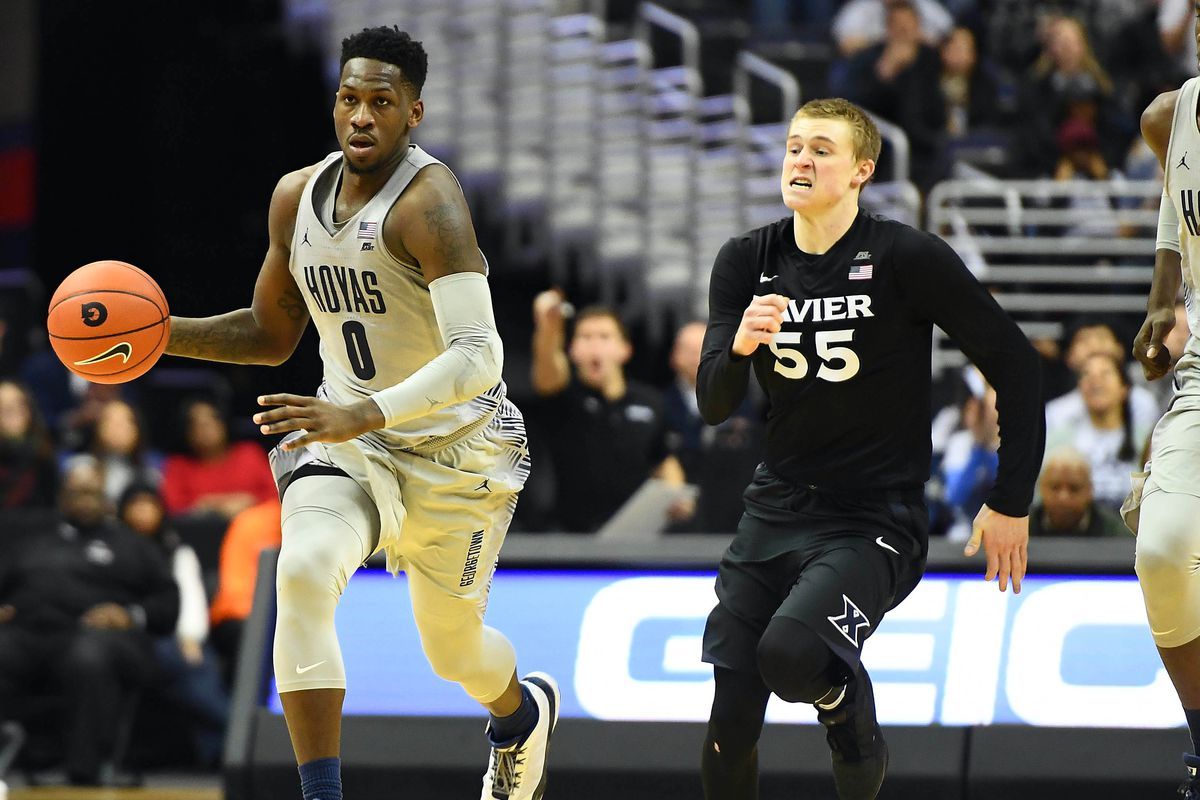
1022 89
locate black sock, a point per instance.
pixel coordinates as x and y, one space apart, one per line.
728 776
518 723
1193 721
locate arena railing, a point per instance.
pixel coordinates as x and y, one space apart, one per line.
1051 250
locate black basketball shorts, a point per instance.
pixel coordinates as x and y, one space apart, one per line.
834 562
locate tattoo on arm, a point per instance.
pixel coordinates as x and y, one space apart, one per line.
229 337
292 303
446 224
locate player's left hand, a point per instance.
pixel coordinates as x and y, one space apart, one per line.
1006 541
320 420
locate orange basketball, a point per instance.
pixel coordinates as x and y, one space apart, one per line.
108 322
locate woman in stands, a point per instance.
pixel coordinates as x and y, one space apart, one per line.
1107 435
28 473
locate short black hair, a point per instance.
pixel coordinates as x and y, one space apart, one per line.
391 46
597 311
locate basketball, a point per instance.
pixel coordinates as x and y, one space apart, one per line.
108 322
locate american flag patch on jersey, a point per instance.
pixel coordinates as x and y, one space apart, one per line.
367 230
861 272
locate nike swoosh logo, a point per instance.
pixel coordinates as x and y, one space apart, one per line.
122 349
301 670
764 278
886 546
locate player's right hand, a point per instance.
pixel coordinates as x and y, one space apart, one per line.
761 320
1148 347
1005 541
548 307
7 613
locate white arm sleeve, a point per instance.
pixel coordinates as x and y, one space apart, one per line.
1168 225
470 364
193 603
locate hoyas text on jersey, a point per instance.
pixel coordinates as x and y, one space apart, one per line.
337 289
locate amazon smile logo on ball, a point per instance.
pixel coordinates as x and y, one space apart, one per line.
122 349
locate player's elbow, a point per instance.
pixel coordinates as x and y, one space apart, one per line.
712 413
491 361
276 353
482 357
273 358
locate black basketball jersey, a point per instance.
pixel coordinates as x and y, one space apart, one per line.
848 376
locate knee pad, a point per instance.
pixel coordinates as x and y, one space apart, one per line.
328 522
1168 566
795 663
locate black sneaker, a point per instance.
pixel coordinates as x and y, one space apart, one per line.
1190 789
857 748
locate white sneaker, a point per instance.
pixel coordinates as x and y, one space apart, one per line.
517 769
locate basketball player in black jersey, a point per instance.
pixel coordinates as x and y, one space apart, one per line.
833 309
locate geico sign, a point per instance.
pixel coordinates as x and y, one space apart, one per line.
956 652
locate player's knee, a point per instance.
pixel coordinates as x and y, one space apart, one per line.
307 576
794 662
1166 552
451 664
453 649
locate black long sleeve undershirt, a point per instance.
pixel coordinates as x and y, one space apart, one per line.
867 427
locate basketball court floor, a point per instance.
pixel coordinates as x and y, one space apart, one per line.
165 787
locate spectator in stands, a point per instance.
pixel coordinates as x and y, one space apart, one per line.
1016 29
75 425
1094 207
1067 506
190 676
969 86
721 459
1176 28
900 80
863 23
118 442
1086 339
1079 156
57 391
968 467
1107 436
215 476
1066 82
28 472
608 432
252 531
78 607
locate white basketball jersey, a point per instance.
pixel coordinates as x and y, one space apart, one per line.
372 310
1183 187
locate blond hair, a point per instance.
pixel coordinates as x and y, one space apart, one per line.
1045 62
865 137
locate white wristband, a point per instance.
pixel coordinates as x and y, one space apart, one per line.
1168 225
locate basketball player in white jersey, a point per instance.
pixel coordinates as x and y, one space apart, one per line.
410 446
1164 511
